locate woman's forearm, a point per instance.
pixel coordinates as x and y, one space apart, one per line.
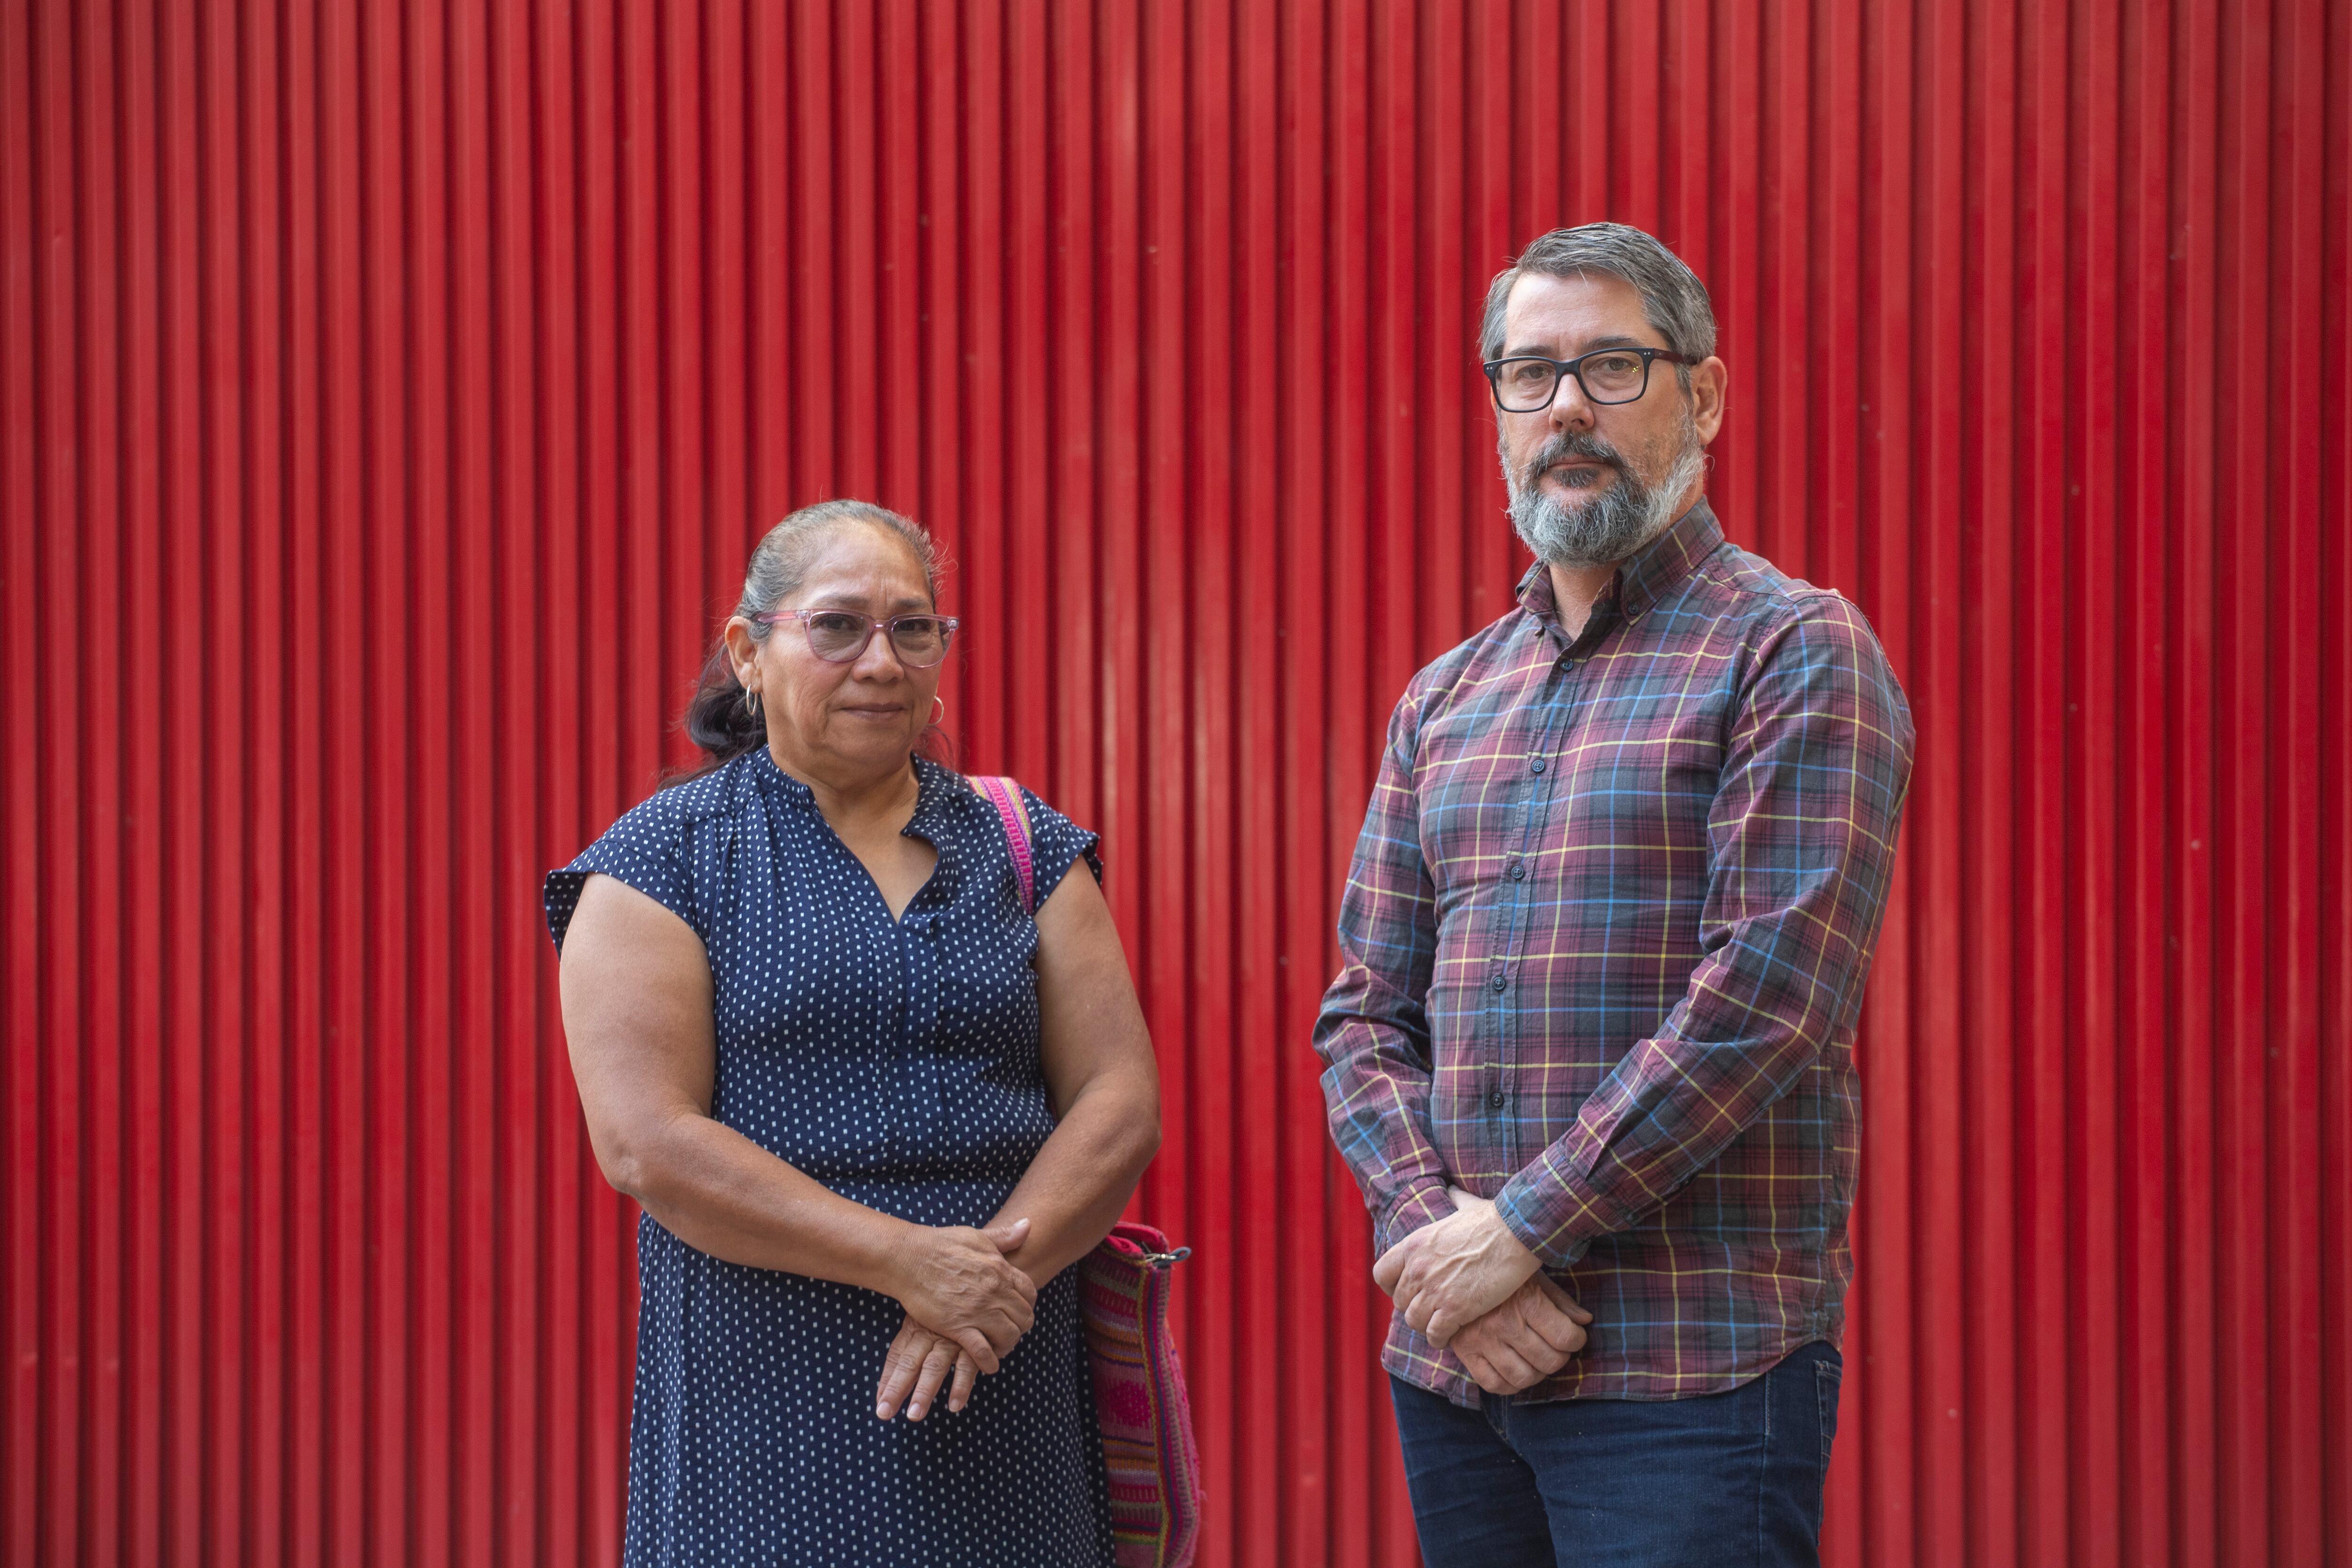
1072 1192
720 1193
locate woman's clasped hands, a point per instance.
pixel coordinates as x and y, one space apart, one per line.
967 1305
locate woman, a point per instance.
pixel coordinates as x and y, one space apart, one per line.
873 1108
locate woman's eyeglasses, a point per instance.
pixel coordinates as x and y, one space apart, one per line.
839 637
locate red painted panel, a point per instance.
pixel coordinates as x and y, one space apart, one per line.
388 396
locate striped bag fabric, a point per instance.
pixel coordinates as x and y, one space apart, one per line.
1147 1423
1123 1292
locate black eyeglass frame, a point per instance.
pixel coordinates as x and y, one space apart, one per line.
1562 368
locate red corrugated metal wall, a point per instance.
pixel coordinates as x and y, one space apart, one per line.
391 394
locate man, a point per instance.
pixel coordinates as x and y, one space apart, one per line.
1605 942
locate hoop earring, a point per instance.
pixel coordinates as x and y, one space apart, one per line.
939 710
751 703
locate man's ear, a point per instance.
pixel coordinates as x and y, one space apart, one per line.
1710 379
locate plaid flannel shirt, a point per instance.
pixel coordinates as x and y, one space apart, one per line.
1604 944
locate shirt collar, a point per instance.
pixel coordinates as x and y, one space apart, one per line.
1644 578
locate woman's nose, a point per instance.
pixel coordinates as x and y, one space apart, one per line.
880 660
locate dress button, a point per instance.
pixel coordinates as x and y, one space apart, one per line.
1536 766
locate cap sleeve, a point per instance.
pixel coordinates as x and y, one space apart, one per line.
646 848
1056 844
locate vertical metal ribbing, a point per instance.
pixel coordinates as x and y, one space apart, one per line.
388 398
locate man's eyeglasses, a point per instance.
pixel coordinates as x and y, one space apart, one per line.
838 636
1526 383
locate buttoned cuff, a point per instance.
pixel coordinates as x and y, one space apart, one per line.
1420 1205
1555 1220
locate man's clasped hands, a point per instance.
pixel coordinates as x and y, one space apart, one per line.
1468 1284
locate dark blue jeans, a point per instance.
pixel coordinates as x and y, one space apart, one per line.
1721 1481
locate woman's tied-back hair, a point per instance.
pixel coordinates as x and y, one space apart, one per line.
717 718
1673 298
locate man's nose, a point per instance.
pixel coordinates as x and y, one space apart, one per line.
1570 408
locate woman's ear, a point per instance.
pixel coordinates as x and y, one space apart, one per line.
742 652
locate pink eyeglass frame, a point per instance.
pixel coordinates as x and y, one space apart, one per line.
947 639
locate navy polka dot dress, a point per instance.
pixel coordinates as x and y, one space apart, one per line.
897 1062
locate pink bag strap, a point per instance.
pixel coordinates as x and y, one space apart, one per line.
1006 795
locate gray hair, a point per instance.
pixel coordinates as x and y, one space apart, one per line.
780 561
1673 298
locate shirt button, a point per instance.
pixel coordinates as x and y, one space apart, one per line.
1536 766
1518 871
1496 1099
1498 982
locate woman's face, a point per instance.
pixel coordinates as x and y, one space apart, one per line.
862 716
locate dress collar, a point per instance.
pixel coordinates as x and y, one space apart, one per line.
931 781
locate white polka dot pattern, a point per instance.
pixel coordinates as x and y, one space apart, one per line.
897 1062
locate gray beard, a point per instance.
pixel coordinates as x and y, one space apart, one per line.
1612 524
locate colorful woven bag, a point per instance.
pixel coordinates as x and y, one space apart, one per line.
1123 1292
1147 1423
